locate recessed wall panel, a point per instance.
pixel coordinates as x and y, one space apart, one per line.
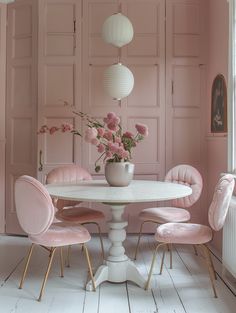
146 86
60 45
22 20
60 18
186 88
22 141
186 18
59 85
22 48
186 141
59 147
22 87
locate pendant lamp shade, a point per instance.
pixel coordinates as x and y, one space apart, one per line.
118 81
117 30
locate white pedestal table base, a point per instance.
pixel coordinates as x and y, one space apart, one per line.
118 268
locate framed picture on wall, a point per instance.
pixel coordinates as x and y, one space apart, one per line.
219 105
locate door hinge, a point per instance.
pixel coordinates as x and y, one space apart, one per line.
74 26
172 87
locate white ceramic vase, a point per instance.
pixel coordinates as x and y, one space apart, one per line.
119 174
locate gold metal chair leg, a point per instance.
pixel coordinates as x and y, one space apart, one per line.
139 237
210 270
162 260
151 268
68 256
101 242
212 264
89 266
171 256
47 273
62 262
195 249
26 266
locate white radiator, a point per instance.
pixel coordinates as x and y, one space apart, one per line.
229 239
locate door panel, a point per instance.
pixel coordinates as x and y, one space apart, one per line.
21 100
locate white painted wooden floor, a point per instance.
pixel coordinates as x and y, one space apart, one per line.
183 289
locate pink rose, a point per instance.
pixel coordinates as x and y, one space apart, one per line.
117 139
53 129
112 120
142 129
112 126
108 135
43 129
101 148
90 133
65 127
113 147
128 135
109 154
101 131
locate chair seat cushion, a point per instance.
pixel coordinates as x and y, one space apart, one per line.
79 215
165 214
184 233
62 234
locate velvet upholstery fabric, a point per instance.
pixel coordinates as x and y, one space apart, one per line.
164 215
35 212
220 202
183 233
186 175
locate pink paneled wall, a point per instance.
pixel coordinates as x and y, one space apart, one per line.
217 63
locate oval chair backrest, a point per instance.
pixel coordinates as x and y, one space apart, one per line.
34 207
186 175
220 202
67 174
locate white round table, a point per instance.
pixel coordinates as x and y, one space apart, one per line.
118 267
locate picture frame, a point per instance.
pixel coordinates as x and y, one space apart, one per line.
219 105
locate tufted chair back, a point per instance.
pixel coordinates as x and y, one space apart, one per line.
34 207
186 175
220 202
67 174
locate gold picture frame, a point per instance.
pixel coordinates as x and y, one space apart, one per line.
219 105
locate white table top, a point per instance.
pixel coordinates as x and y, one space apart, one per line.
137 191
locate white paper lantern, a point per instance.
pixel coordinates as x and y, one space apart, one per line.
118 81
117 30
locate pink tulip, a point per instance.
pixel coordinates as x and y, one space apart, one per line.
142 129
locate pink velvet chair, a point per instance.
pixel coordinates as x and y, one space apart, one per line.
71 211
35 212
180 174
196 234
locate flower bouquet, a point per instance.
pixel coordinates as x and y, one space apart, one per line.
111 142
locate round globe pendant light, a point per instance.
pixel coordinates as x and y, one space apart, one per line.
117 30
118 81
